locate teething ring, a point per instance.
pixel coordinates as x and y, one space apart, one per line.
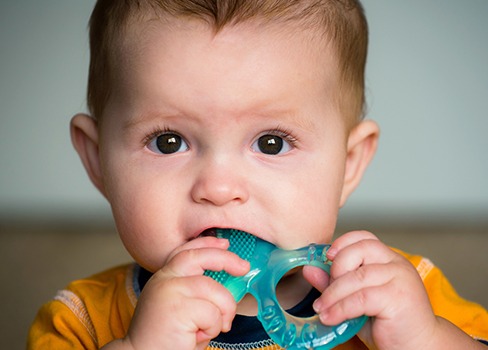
268 265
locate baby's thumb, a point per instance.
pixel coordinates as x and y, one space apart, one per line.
317 277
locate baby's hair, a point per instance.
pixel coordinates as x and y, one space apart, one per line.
340 22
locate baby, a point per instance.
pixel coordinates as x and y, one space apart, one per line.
244 114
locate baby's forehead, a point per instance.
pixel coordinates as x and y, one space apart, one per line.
239 71
136 34
117 39
185 36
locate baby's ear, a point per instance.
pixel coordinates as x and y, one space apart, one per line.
84 136
361 147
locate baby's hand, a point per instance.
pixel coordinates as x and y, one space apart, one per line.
179 307
368 278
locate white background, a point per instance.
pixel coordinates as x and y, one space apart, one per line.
427 82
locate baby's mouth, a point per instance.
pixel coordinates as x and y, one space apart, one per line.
210 232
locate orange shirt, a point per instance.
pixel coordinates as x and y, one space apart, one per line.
92 312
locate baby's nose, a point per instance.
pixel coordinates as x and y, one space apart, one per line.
220 184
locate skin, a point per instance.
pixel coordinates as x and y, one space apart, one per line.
220 94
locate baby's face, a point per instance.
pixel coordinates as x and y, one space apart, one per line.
238 130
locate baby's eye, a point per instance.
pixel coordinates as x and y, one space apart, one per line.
168 143
271 144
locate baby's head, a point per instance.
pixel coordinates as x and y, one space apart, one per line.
339 24
233 114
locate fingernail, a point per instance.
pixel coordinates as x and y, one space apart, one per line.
224 242
245 264
323 317
317 305
331 253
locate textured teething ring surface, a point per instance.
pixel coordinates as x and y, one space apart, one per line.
268 265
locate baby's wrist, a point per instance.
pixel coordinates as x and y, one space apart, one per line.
448 333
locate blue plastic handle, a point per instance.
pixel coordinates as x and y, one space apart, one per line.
268 265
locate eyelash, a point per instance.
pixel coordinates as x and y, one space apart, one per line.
278 131
283 133
158 131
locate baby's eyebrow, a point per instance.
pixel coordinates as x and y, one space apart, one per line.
289 117
147 118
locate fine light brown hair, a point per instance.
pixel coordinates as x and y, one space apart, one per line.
341 22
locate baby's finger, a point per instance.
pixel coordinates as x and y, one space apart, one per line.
318 278
347 239
197 305
372 290
205 320
203 242
194 262
360 253
368 301
213 292
353 282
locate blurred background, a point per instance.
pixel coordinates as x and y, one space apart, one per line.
425 192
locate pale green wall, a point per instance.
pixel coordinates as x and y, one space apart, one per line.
427 87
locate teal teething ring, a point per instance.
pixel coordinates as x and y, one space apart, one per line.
268 265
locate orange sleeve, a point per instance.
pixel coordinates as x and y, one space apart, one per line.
472 318
88 314
57 327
